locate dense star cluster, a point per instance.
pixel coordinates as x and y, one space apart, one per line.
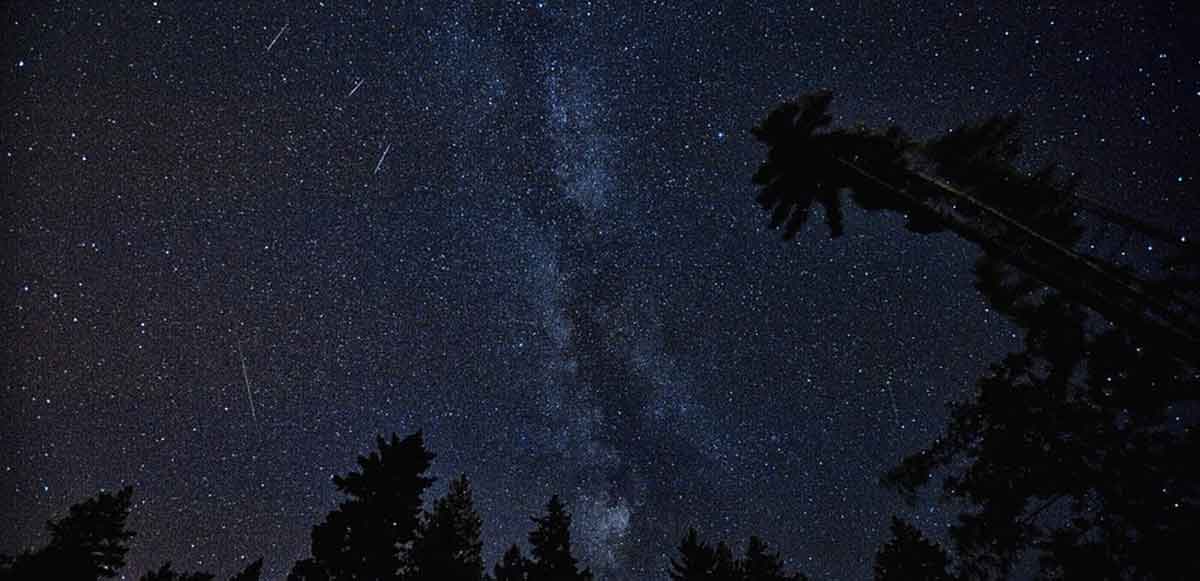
241 241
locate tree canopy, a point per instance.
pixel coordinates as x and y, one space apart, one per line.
1079 448
89 543
700 561
447 547
368 536
550 546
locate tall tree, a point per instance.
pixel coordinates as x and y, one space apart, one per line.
252 572
550 543
447 547
726 567
760 564
89 543
369 535
696 559
967 182
1078 447
512 566
909 555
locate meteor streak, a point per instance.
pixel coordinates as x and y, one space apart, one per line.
246 379
279 34
385 152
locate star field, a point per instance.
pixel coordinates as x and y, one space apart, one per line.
527 229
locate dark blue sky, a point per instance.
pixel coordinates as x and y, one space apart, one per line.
557 270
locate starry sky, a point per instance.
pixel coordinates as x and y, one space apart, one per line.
240 241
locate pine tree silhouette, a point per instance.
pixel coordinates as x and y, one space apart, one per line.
909 556
725 566
252 572
368 536
512 566
977 191
699 561
89 543
447 547
760 564
696 560
1078 448
166 573
550 543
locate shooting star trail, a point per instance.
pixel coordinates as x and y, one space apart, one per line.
380 164
360 82
246 378
276 39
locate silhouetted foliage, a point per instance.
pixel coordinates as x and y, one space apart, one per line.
699 561
447 547
252 572
512 566
166 573
909 556
976 190
369 535
759 564
89 543
725 566
379 533
1081 447
696 560
308 570
550 547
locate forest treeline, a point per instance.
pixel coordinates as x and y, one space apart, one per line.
1076 459
380 531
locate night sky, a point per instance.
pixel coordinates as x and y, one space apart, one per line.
527 229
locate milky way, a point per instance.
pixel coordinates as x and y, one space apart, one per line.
241 241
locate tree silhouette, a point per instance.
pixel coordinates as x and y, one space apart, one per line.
447 547
369 535
909 555
725 566
760 564
166 573
699 561
550 546
89 543
252 572
512 566
696 560
1080 447
977 191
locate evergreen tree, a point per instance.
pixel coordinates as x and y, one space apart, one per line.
759 564
909 556
308 570
725 566
448 546
512 566
696 560
1076 447
368 536
252 572
699 561
89 543
550 543
166 573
